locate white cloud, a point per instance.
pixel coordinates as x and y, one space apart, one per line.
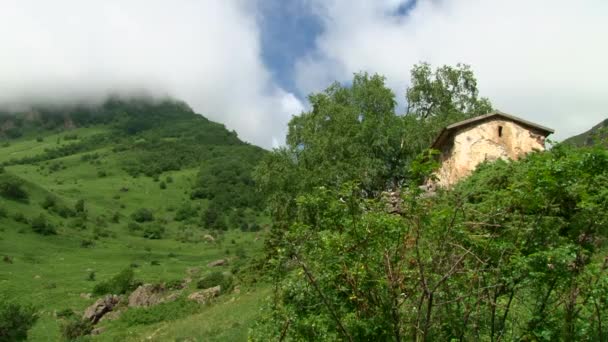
204 52
544 60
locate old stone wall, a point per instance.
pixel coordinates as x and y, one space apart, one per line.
490 140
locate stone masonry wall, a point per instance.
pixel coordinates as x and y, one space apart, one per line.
491 140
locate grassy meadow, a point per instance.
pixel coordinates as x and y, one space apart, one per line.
58 271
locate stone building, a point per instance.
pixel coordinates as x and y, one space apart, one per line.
496 135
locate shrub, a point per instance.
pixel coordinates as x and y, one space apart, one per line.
91 276
185 212
134 227
169 179
142 215
15 320
74 328
121 283
154 231
3 212
79 206
40 225
162 185
12 188
175 284
49 201
101 173
86 243
65 313
19 217
214 279
39 139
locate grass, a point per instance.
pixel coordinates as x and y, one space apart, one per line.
52 272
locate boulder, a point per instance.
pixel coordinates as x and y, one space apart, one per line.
146 295
219 262
208 238
85 295
110 316
193 271
102 306
205 295
97 331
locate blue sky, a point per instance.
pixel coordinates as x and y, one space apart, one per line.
251 64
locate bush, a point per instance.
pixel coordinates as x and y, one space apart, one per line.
40 225
154 231
15 320
49 201
162 185
74 328
19 217
134 227
79 206
185 212
3 212
121 283
214 279
101 174
142 215
12 188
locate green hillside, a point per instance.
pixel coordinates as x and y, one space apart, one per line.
151 186
597 134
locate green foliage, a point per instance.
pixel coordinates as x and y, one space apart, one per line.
73 328
153 231
185 212
42 226
15 320
79 206
446 90
214 279
11 188
516 251
142 215
162 312
121 283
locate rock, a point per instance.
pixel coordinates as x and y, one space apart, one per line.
110 316
193 271
237 289
146 295
102 306
97 330
187 280
85 295
219 262
205 295
208 238
36 277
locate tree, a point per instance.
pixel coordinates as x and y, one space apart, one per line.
447 90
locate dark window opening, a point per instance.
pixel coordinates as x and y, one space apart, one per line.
499 131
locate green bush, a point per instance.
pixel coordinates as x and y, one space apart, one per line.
15 320
162 185
3 212
185 212
79 206
214 279
48 202
74 328
42 226
12 188
142 215
19 217
154 231
121 283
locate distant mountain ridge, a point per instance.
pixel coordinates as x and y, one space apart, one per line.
591 137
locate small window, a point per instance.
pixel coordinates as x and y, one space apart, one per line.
499 131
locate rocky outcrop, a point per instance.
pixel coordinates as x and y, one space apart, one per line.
147 295
204 296
220 262
102 306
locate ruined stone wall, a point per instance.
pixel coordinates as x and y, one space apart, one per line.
491 140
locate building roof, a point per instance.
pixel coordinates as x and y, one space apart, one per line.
447 131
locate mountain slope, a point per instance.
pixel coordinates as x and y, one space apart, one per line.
591 137
146 185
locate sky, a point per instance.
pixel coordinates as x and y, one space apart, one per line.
251 64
